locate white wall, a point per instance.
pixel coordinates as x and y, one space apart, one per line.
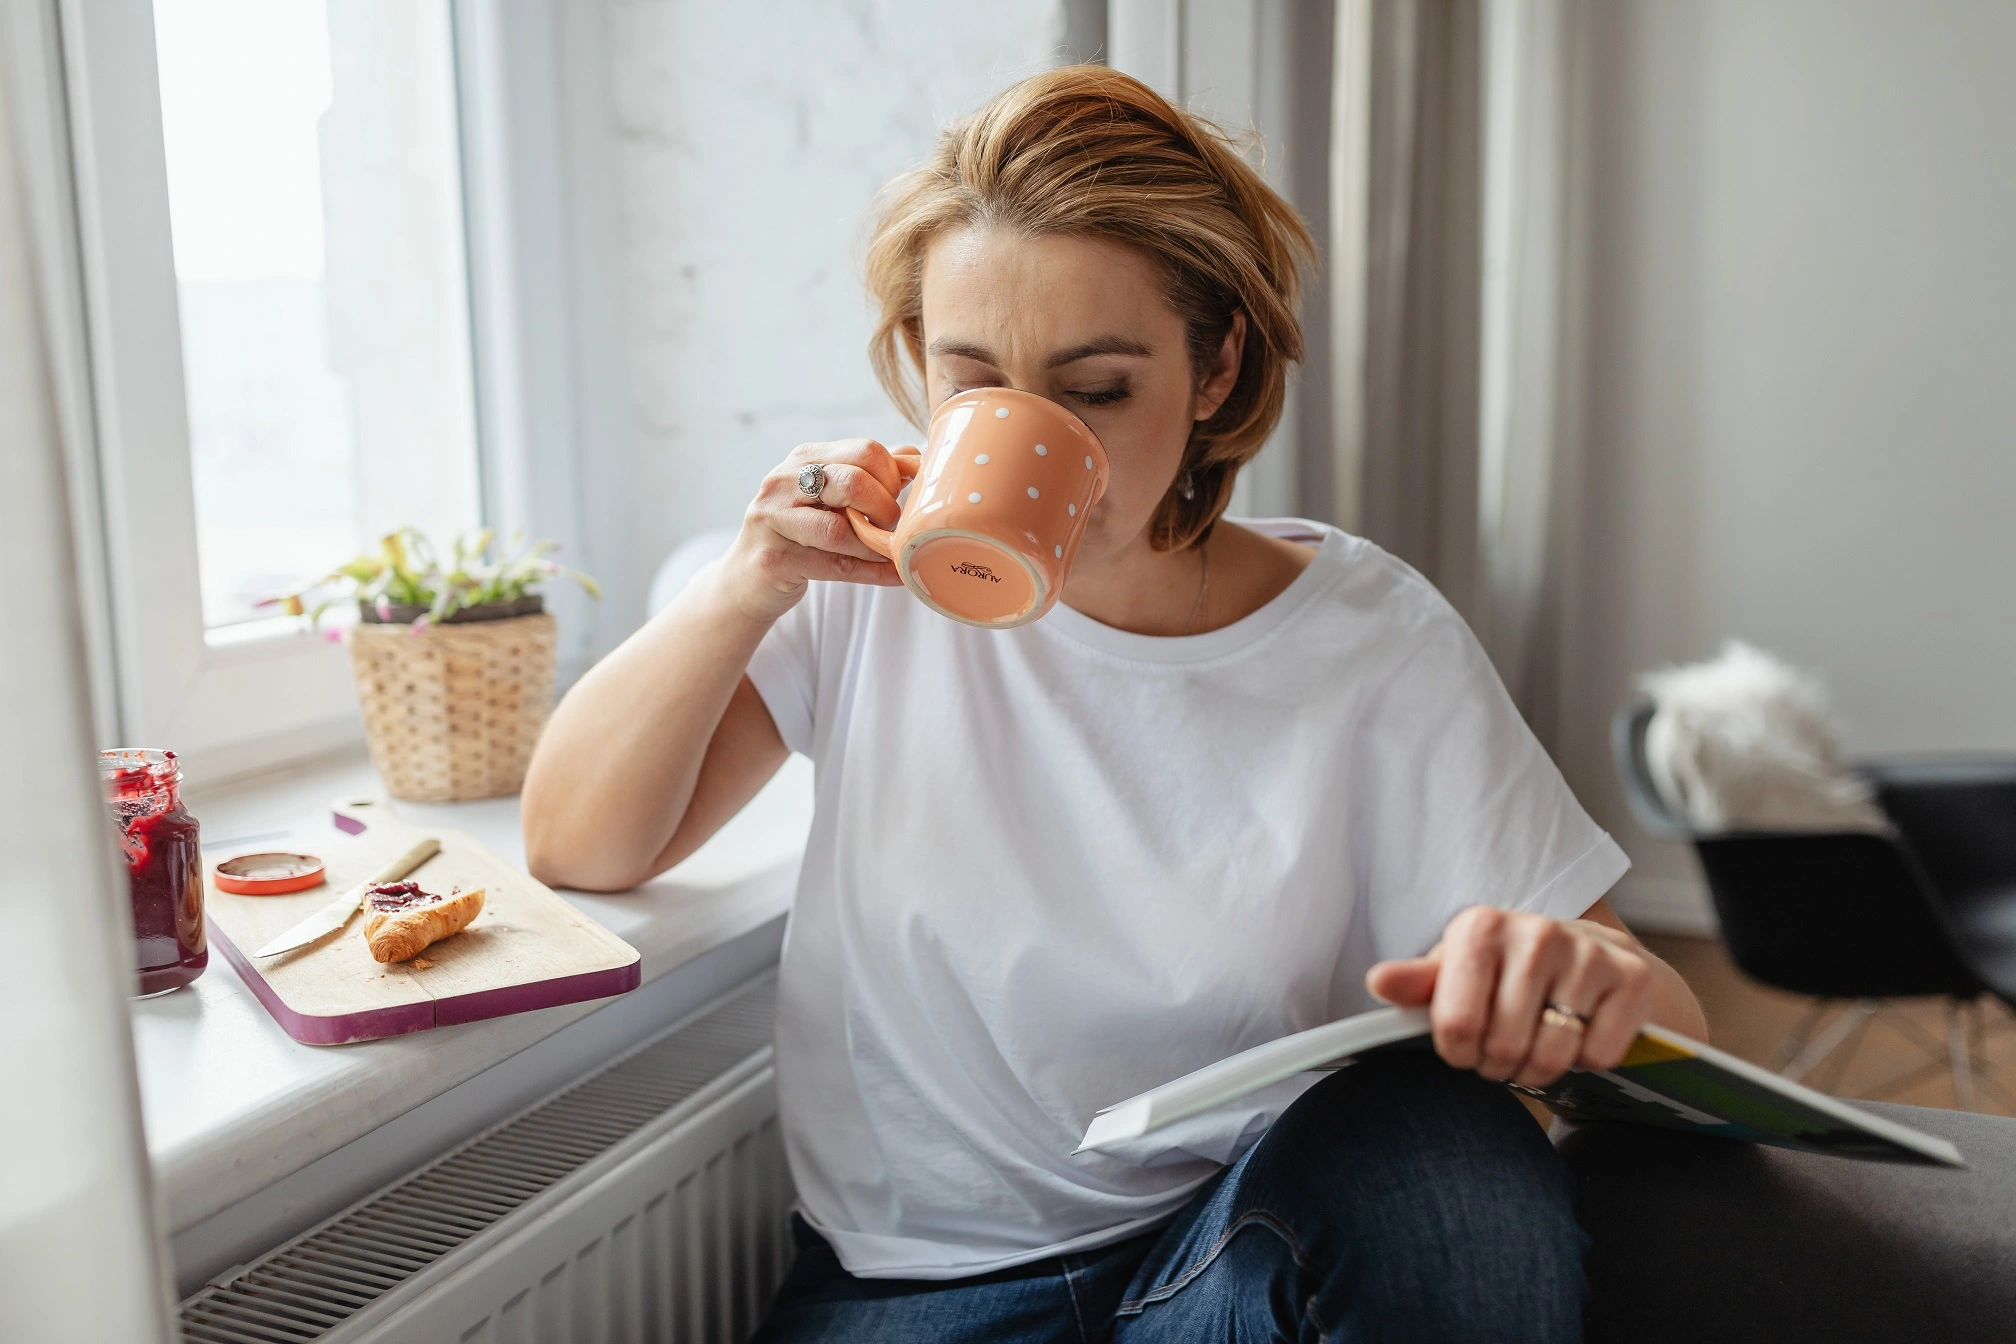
750 139
1802 407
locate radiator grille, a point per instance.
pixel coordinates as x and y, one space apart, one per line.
322 1279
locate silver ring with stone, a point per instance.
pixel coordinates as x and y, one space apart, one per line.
812 480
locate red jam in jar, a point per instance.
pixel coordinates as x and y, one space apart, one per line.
164 867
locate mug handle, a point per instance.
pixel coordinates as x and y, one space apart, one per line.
880 539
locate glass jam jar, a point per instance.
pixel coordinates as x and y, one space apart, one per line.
163 866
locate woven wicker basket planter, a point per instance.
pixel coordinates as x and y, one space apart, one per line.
453 710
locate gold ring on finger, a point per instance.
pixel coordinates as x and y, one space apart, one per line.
1561 1015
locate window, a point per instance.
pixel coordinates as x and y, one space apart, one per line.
313 192
308 268
269 268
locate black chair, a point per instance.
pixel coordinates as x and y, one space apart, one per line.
1864 917
1959 817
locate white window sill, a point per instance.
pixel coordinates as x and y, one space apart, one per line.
233 1105
267 630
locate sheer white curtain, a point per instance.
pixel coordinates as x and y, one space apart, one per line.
1404 239
81 1258
1454 203
1530 442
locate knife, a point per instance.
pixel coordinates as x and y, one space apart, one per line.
336 914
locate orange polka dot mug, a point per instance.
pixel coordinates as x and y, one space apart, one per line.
993 520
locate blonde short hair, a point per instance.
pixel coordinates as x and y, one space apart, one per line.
1089 151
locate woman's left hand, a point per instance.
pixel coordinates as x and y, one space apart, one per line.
1490 982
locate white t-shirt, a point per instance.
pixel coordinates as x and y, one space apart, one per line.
1054 866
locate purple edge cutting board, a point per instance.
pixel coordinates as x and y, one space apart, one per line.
397 1020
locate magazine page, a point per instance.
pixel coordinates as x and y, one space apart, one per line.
1666 1080
1676 1083
1233 1077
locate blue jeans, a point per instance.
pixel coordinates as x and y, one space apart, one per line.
1398 1199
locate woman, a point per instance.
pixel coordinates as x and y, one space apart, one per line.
1244 779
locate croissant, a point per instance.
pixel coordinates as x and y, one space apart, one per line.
400 934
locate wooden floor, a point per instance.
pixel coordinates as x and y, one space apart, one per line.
1749 1020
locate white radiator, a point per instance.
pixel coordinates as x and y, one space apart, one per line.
644 1205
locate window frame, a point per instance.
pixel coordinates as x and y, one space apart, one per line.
266 694
543 238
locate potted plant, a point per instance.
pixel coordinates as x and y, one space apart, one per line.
455 658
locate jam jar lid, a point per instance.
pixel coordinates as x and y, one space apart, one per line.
268 874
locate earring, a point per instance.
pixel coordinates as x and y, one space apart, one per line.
1186 487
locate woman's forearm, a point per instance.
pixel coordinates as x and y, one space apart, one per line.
637 765
616 768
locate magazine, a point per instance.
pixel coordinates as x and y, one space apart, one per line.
1666 1080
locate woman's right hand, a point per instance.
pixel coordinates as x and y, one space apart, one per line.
788 539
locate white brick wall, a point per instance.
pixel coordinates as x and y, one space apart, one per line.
750 139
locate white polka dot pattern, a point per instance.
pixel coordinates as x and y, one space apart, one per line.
958 478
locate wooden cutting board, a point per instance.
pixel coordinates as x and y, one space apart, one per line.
527 949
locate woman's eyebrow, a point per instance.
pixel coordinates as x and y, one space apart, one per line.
962 350
1104 345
